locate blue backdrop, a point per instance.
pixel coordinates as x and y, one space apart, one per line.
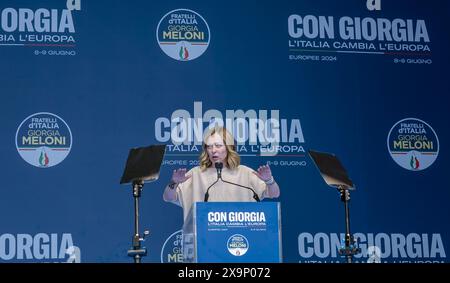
367 84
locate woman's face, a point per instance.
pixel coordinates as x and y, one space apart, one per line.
217 151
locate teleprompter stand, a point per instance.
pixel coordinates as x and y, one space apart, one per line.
143 165
335 175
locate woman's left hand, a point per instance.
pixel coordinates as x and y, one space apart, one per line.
264 173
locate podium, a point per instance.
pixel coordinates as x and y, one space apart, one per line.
233 232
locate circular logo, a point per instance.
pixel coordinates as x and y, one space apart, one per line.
183 34
43 139
237 245
413 144
172 251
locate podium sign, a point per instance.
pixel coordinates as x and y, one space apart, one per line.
233 232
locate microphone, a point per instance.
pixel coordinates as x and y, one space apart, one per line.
219 167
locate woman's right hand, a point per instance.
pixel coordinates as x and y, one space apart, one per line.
179 176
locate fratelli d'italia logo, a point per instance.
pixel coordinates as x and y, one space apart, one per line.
183 34
237 245
172 251
43 139
413 144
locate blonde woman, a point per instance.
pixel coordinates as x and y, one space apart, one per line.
186 188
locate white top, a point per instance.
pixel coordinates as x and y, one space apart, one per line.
194 189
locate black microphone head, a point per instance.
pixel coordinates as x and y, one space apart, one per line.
218 165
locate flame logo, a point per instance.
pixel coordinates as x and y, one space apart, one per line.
43 159
184 53
414 162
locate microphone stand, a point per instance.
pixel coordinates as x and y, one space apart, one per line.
207 190
137 251
255 195
349 249
219 167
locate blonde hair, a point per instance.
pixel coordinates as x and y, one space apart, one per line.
233 159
